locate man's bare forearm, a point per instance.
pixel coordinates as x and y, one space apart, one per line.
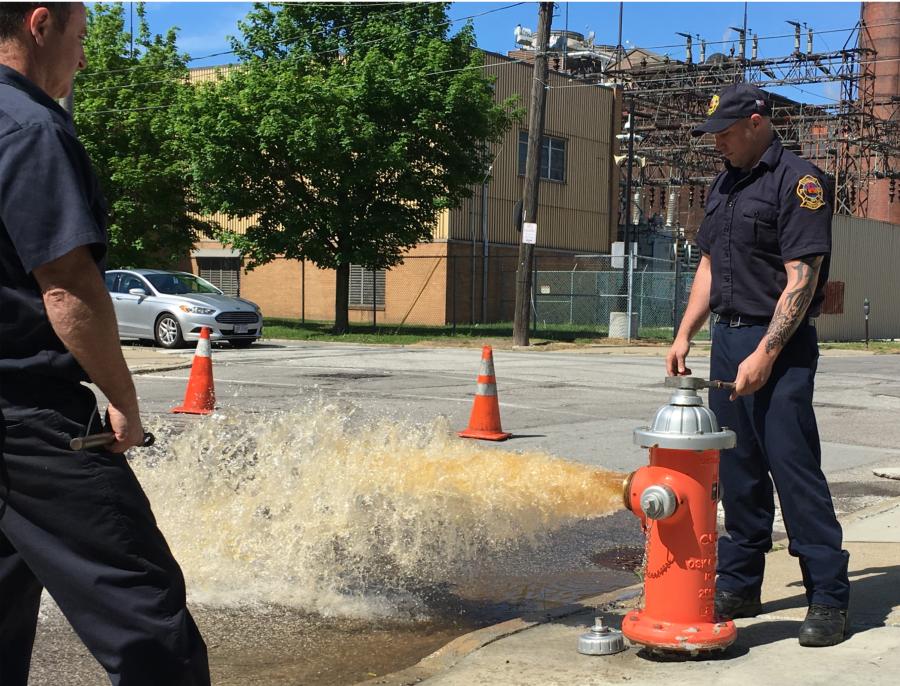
803 277
81 313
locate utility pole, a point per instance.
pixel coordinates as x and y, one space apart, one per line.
532 174
626 230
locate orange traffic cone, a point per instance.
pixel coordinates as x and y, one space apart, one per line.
484 421
200 397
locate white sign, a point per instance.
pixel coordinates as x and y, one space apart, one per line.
545 290
618 255
529 233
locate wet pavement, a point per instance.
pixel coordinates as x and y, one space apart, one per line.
579 405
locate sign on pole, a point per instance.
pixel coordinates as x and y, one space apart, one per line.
529 232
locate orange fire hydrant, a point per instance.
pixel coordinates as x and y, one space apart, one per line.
676 497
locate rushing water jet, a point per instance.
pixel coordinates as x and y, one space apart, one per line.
318 509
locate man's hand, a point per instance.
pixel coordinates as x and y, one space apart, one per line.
127 427
677 355
752 374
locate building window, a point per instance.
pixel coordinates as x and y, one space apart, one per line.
222 272
553 157
363 289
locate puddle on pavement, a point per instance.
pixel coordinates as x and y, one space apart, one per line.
323 548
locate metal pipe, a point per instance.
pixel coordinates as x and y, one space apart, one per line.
484 249
104 439
472 225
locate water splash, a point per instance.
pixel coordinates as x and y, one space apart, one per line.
321 510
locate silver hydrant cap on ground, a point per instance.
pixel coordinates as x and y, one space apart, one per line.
685 424
601 640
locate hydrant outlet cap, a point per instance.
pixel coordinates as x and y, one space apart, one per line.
601 640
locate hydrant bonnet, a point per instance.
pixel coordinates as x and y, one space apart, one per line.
685 424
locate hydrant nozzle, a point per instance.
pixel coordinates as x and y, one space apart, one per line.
658 502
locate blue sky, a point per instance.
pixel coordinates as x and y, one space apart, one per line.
204 26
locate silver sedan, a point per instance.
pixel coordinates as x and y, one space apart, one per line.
171 308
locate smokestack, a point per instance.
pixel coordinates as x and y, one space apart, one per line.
881 33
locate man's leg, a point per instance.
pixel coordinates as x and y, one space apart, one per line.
747 495
20 598
784 411
84 526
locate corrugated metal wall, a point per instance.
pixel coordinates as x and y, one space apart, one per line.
865 258
578 214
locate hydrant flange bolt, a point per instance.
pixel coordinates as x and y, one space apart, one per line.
658 502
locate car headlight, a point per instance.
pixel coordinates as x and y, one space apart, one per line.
196 309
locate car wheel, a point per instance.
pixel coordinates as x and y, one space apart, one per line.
168 332
241 342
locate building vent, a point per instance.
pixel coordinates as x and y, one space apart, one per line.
222 272
363 288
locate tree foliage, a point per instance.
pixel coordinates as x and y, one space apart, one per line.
125 114
344 131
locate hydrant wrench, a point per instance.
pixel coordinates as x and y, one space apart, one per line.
105 439
696 383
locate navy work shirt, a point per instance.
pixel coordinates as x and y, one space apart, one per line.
50 204
758 220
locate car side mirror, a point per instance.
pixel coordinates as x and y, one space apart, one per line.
137 291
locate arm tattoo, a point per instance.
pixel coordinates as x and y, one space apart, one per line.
792 305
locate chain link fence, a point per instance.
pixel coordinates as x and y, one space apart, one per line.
600 291
573 296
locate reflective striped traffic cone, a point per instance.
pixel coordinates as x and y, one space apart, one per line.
200 397
484 423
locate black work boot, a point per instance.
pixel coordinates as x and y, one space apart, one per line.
734 606
823 626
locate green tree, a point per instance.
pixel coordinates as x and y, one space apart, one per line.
344 131
125 112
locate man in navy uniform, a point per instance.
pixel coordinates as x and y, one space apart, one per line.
765 245
74 522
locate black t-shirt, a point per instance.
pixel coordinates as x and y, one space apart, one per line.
758 220
50 204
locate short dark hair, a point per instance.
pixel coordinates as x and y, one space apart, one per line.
12 14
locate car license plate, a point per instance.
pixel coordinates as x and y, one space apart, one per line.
240 328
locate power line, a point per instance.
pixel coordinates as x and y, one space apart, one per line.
299 36
775 37
433 73
678 72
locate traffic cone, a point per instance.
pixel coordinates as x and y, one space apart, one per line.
484 422
200 397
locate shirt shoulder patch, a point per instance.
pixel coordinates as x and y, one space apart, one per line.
810 192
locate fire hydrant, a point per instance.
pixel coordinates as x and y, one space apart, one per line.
676 497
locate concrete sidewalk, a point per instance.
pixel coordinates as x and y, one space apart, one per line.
543 651
143 359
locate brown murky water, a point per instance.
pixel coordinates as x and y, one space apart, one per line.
321 548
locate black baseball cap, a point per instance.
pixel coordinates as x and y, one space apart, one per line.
732 104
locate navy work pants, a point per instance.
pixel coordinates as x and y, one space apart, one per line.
776 435
79 525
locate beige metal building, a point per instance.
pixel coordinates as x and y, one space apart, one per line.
466 273
864 258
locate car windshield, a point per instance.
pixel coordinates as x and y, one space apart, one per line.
179 284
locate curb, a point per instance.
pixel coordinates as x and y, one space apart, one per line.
137 371
461 647
447 656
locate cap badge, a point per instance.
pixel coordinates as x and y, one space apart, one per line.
809 190
713 106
